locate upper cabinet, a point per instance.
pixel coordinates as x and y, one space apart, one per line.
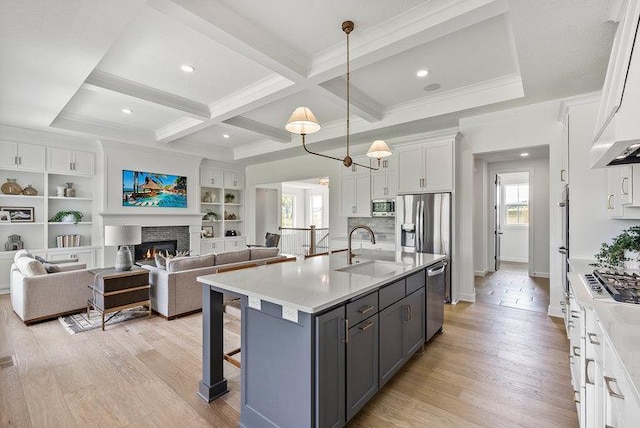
65 161
211 177
233 180
617 125
21 156
426 168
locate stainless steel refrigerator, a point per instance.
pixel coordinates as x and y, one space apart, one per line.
424 225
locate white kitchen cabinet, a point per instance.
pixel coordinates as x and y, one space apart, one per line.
233 180
65 161
211 177
563 174
383 185
356 169
426 168
21 156
621 405
355 196
208 246
615 207
87 256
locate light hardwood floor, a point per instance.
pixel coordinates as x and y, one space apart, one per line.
494 366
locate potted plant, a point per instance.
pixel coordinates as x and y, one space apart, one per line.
623 252
229 197
210 216
67 217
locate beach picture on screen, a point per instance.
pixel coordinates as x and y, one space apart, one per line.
146 189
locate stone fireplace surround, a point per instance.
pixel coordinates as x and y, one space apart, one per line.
183 227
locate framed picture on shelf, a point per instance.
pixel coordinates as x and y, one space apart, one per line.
19 214
207 232
5 217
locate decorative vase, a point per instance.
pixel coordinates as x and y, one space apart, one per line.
207 197
60 190
11 187
29 191
69 191
69 218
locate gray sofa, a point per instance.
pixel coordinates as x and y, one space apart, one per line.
41 297
175 291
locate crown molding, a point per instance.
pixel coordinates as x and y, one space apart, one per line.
99 81
567 103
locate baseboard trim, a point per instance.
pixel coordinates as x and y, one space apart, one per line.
541 275
467 297
480 272
555 311
5 290
502 259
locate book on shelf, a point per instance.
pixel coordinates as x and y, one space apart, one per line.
68 241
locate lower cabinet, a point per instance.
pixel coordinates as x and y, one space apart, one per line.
208 246
84 256
362 364
402 332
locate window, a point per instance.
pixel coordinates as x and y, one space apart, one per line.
316 210
516 204
288 210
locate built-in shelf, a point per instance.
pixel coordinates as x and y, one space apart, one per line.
232 221
26 223
55 223
231 204
212 203
70 199
21 196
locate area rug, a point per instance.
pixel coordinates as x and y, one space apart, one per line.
79 322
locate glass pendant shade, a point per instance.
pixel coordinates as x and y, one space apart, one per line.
302 121
379 149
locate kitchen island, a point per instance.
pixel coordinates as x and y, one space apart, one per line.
319 337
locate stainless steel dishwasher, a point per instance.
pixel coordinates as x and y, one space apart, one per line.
436 287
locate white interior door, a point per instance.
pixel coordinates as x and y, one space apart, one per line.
496 215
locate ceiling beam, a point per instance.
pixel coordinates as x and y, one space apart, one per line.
259 128
100 81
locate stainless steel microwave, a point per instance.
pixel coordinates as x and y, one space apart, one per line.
383 208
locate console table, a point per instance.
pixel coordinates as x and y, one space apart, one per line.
115 291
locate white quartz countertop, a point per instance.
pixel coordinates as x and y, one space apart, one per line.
313 285
619 320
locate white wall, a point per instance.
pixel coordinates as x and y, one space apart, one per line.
480 217
589 224
268 205
529 126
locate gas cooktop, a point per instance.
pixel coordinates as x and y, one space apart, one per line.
622 286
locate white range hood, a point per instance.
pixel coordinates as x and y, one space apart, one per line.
617 132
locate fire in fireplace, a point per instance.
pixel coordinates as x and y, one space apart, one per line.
146 251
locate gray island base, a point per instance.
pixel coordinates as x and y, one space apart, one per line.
320 338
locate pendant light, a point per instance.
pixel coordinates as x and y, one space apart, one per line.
303 122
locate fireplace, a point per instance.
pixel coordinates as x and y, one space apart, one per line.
145 252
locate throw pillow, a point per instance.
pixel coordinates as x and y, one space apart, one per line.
51 268
22 253
161 261
30 267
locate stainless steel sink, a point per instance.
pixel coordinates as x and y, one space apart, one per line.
375 268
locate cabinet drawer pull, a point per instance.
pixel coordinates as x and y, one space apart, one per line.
576 394
609 204
365 309
15 160
586 371
592 340
576 351
575 316
346 331
562 172
407 317
367 326
608 380
564 311
622 191
570 359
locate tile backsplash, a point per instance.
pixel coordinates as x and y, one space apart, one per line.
383 227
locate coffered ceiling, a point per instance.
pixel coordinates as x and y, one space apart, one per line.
73 67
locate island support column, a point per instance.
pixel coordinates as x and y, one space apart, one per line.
213 383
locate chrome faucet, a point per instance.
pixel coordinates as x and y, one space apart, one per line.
356 227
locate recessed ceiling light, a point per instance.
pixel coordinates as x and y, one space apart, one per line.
524 154
226 136
422 73
187 68
127 111
432 87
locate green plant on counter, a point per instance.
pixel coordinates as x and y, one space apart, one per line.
613 256
210 215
